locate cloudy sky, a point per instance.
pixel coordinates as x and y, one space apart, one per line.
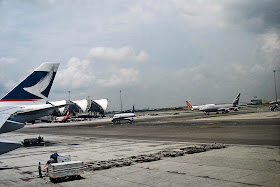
159 53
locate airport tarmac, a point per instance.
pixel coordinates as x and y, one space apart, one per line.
260 128
251 157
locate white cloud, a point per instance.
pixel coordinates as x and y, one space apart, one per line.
250 15
6 63
258 68
122 77
271 50
238 68
82 73
195 13
78 74
7 60
123 54
138 13
271 43
214 75
142 56
201 13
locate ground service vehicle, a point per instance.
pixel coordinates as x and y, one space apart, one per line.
64 168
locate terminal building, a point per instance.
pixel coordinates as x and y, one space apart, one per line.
83 108
256 101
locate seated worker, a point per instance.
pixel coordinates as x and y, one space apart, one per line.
40 139
53 159
54 156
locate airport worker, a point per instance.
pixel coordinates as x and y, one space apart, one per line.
40 139
54 157
48 163
39 170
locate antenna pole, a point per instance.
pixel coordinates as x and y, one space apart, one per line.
275 87
121 99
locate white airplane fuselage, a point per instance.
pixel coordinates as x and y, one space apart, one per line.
217 107
225 108
123 117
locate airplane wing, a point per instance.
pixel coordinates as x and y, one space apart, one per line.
31 113
6 146
6 112
50 107
224 109
19 115
234 108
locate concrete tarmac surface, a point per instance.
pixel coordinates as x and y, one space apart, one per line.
251 157
233 128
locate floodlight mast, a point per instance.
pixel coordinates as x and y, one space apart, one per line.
275 87
121 99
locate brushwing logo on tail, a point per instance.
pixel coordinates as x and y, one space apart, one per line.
41 86
36 87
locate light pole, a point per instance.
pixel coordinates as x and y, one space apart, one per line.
121 99
275 86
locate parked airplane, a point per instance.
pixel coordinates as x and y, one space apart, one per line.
117 118
224 108
27 101
63 119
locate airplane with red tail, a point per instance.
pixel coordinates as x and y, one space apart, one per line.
63 119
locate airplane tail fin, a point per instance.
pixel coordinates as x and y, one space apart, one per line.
132 111
236 101
68 114
36 87
189 105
